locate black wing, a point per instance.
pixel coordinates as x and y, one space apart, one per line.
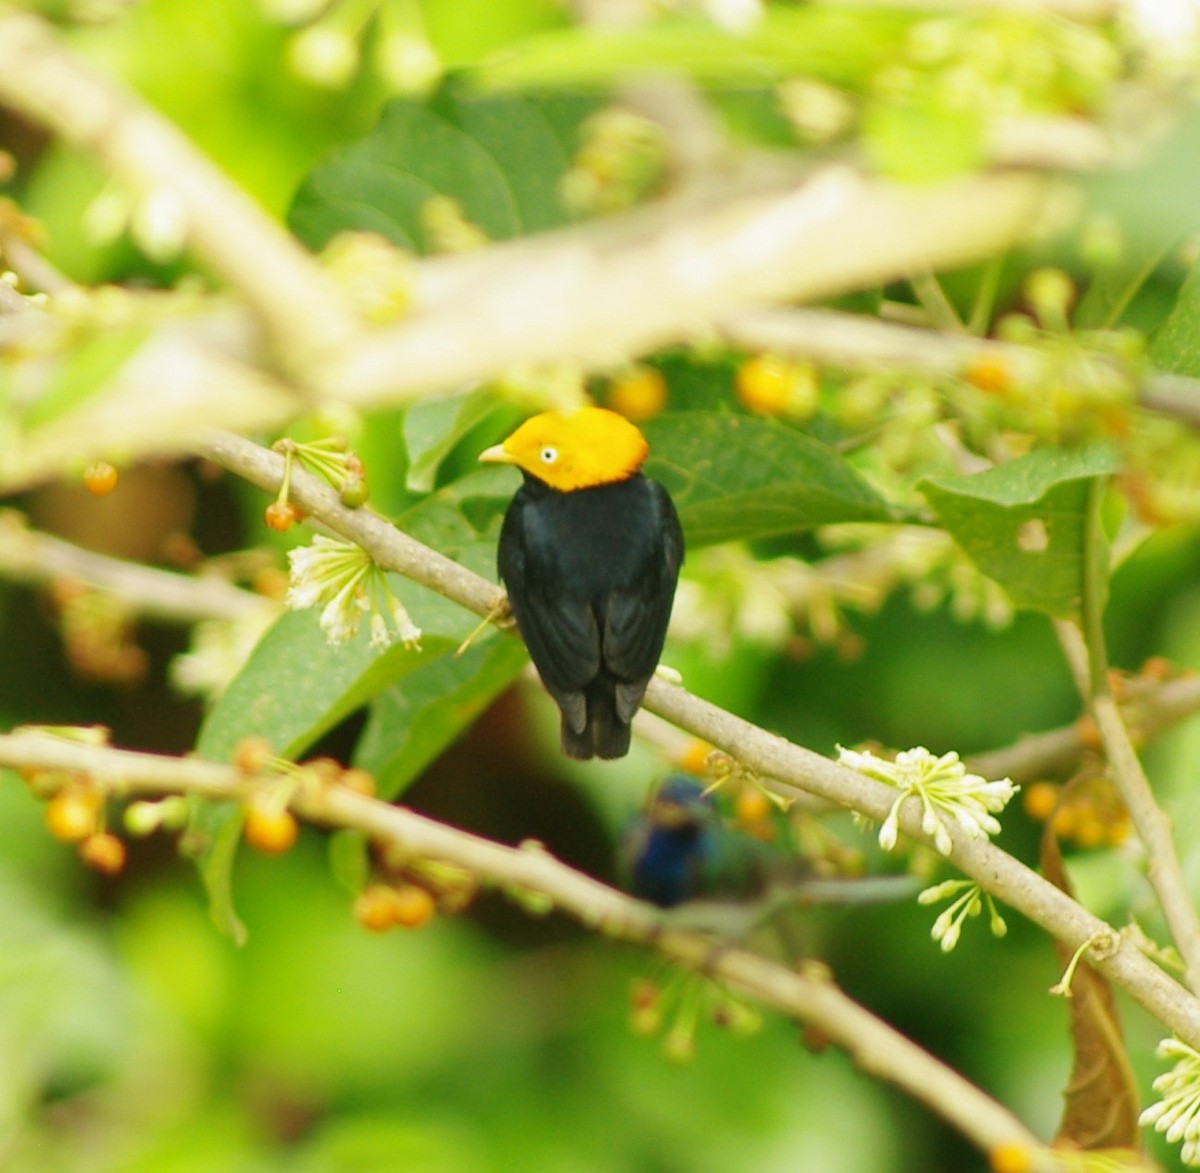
560 632
637 615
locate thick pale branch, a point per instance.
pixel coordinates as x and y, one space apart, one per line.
810 997
857 342
603 293
768 755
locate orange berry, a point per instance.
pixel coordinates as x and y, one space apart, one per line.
639 394
281 516
413 906
1011 1157
694 759
270 831
104 852
771 385
751 806
252 755
989 373
375 907
100 477
1040 800
72 815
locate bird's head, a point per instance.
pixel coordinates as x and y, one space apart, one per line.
570 450
679 802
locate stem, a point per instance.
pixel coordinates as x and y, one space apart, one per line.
1153 825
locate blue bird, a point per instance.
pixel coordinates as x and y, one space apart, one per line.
681 851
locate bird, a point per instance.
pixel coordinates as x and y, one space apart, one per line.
681 854
589 553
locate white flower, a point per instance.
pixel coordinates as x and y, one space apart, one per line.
969 901
946 791
342 578
1177 1114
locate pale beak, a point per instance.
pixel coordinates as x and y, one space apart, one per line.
496 454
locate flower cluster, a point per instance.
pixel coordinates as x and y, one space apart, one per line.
946 791
969 901
342 578
1177 1114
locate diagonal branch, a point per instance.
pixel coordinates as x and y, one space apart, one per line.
791 766
809 996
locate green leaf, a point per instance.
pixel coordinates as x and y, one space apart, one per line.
415 719
296 686
499 156
834 45
740 477
1176 346
1025 523
433 427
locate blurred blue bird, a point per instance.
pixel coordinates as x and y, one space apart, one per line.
681 851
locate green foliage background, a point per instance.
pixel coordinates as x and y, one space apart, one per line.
134 1037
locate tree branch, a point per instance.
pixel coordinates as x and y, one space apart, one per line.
29 556
295 300
792 767
808 996
856 342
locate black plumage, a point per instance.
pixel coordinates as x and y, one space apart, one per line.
591 575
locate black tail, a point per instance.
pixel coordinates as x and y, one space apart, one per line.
604 735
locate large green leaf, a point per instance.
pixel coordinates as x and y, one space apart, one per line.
1025 523
499 156
433 427
415 719
740 477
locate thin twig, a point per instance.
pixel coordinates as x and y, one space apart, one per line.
808 996
769 756
29 556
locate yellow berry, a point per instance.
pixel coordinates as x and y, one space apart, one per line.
374 908
751 806
100 477
270 831
104 852
1011 1157
771 385
639 394
694 758
413 906
72 814
1040 800
988 372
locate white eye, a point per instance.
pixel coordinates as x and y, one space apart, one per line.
548 455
